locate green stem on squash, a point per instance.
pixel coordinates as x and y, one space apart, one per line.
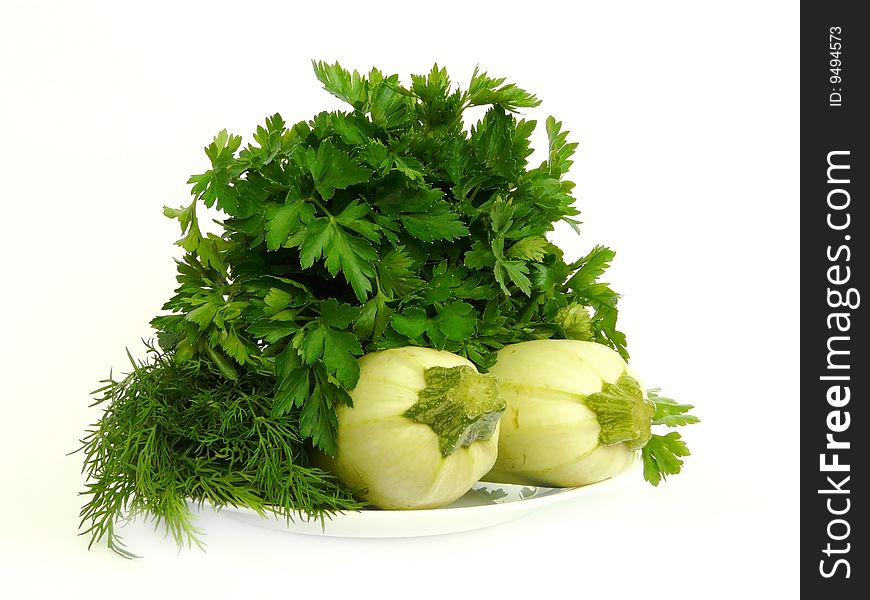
459 404
624 414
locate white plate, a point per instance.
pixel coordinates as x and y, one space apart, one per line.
485 505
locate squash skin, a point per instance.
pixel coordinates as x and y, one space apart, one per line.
549 436
395 461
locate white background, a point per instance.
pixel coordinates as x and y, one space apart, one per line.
687 118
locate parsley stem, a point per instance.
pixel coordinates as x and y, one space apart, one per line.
320 205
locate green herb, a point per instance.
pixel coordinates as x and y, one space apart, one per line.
661 453
178 432
386 225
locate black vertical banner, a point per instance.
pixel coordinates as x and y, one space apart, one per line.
835 341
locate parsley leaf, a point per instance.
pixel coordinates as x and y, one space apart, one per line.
530 248
559 156
660 457
342 251
343 84
318 420
669 412
283 219
484 89
325 342
590 268
661 454
424 214
333 169
412 323
456 320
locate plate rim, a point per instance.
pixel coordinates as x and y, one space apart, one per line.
380 515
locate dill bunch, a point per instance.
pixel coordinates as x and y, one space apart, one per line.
178 432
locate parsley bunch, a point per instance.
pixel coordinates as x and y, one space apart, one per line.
385 225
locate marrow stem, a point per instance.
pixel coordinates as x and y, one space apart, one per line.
459 404
624 414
